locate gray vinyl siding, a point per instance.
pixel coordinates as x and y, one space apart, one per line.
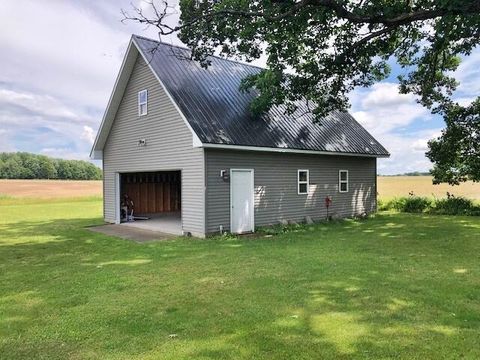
169 147
276 196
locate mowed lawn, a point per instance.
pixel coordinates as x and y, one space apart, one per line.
394 286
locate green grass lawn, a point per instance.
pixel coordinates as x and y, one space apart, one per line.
395 286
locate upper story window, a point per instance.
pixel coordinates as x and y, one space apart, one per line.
303 179
142 102
343 181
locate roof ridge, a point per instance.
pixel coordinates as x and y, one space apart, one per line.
186 48
218 112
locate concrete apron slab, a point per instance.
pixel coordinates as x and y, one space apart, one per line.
170 223
131 233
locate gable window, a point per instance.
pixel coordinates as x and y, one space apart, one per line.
302 181
343 181
142 102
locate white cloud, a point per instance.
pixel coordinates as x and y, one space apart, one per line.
59 63
65 49
39 104
32 122
405 127
5 145
465 101
60 49
407 152
381 109
60 60
88 134
386 95
390 117
420 145
468 74
394 118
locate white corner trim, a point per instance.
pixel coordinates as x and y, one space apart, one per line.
284 150
196 140
117 198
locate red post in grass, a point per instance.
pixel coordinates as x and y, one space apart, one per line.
328 202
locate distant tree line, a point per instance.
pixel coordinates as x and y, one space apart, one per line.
415 173
22 165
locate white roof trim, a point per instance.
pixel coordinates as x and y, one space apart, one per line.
284 150
116 95
196 140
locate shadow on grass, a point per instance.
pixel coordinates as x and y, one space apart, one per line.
386 287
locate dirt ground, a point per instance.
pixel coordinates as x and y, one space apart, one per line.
50 188
392 186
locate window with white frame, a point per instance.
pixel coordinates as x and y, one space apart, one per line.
142 102
343 181
302 181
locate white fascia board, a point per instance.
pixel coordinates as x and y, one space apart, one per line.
290 151
96 154
108 111
196 143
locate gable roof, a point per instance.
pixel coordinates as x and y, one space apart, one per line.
218 114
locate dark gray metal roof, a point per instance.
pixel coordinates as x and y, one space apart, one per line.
219 113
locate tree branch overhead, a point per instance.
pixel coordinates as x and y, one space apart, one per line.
330 47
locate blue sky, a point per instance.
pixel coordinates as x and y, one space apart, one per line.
60 60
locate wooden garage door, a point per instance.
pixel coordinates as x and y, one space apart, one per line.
153 192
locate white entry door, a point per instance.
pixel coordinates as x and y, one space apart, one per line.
241 201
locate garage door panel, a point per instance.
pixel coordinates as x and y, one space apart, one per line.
153 192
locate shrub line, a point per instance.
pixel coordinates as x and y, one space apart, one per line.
451 205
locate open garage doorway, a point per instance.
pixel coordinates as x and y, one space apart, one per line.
152 200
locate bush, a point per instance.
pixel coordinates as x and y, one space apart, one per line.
454 206
417 204
383 205
411 204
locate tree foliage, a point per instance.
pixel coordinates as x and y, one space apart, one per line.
320 50
456 154
22 165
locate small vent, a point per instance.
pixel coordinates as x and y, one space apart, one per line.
142 142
